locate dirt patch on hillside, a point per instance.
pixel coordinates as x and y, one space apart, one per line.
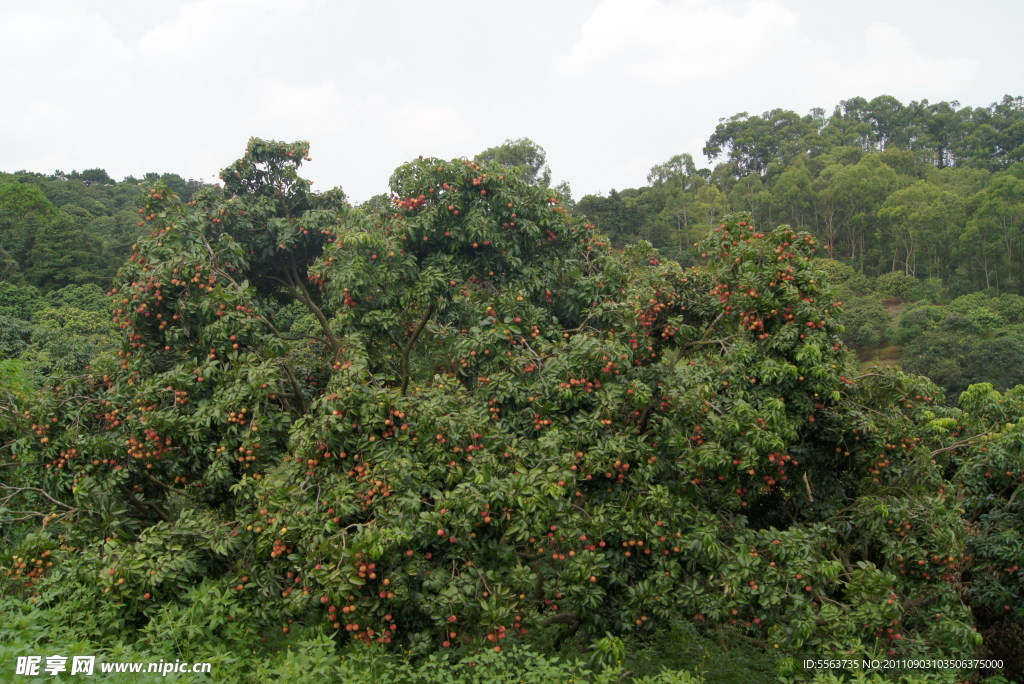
893 306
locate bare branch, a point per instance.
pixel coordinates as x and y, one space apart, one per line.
970 441
18 490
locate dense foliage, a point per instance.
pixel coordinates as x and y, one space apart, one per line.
929 190
919 204
461 419
329 425
62 239
69 228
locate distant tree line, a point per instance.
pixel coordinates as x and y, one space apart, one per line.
70 228
929 190
63 236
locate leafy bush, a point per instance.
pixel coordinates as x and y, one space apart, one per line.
866 324
19 301
895 284
915 321
836 271
15 337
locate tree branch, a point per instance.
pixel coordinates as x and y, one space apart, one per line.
144 505
408 347
571 619
752 640
704 339
18 490
964 443
301 293
303 408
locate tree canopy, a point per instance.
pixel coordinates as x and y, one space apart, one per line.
465 418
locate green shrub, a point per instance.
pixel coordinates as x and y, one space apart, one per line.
895 284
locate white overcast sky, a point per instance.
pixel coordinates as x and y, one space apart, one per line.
608 87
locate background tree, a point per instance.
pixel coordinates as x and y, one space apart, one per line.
523 154
755 142
24 212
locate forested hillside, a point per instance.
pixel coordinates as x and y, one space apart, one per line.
923 204
930 190
472 430
62 239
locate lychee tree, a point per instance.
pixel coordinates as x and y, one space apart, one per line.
465 418
989 463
